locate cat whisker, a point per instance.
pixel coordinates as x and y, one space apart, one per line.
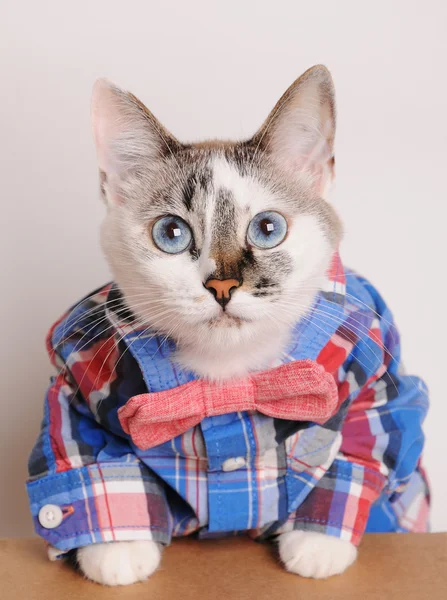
354 330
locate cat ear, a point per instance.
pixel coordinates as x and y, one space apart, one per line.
126 135
299 132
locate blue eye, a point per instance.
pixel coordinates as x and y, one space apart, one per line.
172 234
267 230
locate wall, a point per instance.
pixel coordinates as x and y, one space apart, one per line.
210 68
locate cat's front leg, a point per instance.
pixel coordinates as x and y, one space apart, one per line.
119 563
312 554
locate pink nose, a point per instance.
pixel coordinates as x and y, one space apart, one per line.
221 289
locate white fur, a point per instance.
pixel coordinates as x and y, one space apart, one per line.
119 563
176 303
313 554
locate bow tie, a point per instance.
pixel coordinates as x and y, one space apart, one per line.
297 391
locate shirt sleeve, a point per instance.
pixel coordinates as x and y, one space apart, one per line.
381 444
380 451
85 484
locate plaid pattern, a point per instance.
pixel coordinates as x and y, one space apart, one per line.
241 471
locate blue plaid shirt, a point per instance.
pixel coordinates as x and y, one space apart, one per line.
238 472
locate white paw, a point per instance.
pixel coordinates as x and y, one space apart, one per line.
312 554
119 563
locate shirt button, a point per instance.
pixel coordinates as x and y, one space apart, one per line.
232 464
50 516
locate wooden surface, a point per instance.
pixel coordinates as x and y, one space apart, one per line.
407 567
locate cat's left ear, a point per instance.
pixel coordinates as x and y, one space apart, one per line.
299 132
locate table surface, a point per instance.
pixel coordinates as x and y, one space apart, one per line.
409 566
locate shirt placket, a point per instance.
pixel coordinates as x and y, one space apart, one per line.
232 489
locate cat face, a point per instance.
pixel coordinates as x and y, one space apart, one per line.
220 246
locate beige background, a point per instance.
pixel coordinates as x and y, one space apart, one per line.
209 68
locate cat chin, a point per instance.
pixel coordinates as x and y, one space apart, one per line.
219 353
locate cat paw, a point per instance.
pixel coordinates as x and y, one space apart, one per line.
119 563
312 554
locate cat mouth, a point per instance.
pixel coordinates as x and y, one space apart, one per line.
226 319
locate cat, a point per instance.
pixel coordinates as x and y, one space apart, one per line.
145 168
222 247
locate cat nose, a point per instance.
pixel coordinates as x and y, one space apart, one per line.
222 289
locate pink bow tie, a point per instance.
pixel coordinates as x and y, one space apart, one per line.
297 391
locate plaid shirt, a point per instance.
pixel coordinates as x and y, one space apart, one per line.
234 472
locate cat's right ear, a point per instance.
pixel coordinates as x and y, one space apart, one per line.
126 135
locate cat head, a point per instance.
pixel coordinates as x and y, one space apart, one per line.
220 245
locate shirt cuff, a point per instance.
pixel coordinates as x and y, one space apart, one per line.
102 502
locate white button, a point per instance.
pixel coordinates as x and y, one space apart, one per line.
50 516
232 464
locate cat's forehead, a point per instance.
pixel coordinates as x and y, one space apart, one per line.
198 181
245 189
211 177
